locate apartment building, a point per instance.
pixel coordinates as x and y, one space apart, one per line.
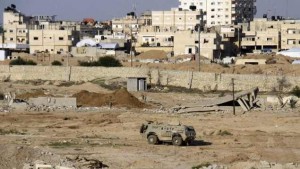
222 12
271 35
150 37
261 34
128 25
175 20
187 42
52 41
15 26
290 34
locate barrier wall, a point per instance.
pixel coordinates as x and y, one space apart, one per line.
200 80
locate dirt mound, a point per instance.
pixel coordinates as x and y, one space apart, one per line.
120 98
153 54
271 59
37 93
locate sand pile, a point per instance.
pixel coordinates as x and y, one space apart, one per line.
120 98
153 54
272 59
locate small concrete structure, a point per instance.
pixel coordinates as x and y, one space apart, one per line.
250 61
137 84
53 101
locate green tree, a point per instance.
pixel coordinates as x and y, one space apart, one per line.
109 61
56 63
21 61
106 61
296 91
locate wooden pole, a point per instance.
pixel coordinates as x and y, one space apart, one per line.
233 103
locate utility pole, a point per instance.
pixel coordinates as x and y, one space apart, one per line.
131 45
239 41
199 36
233 102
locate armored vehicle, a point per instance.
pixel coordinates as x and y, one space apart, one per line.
176 134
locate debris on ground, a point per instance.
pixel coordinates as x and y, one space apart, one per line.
246 99
85 163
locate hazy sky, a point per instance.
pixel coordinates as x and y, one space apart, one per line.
107 9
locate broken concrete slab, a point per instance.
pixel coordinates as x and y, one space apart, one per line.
246 99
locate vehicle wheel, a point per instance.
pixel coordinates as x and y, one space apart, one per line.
177 141
152 139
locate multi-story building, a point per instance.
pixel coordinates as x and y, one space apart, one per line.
151 37
222 12
37 33
175 20
15 26
187 42
271 35
261 34
184 42
290 34
128 25
53 41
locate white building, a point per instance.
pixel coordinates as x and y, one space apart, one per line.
222 12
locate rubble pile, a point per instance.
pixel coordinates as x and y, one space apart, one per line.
85 163
44 108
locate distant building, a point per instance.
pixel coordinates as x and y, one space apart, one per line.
175 20
221 12
186 42
52 41
128 25
271 35
15 25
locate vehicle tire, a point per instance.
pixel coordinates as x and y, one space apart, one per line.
177 141
152 139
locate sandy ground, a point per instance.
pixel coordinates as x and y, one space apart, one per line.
112 135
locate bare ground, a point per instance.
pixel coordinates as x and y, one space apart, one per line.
112 136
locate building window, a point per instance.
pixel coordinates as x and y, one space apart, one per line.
11 31
11 39
35 38
61 38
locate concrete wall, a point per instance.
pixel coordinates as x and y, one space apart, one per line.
203 81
